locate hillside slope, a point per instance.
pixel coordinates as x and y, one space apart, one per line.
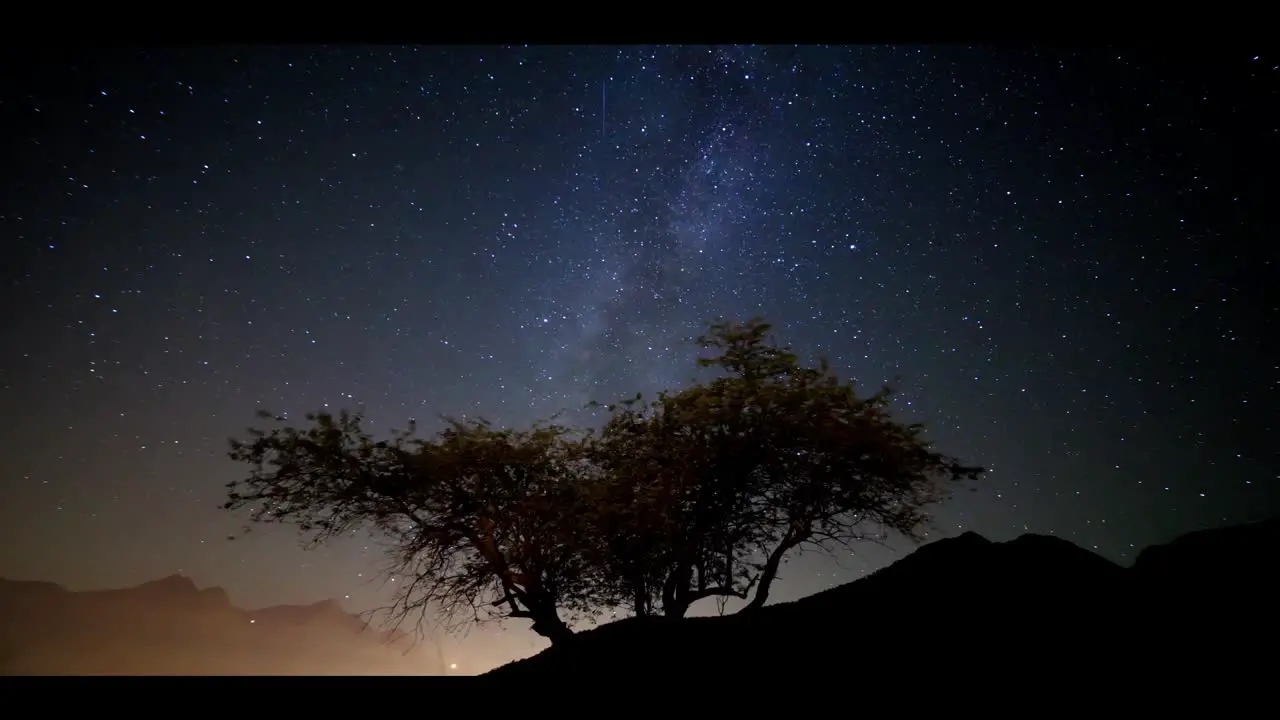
1034 604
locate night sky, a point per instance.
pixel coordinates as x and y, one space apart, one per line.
1061 255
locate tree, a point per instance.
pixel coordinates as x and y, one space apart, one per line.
642 518
728 477
482 523
700 493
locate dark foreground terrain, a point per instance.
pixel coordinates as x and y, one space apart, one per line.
1206 603
169 627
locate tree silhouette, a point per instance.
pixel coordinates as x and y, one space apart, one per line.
713 486
700 493
482 523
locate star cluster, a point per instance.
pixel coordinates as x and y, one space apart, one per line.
1057 258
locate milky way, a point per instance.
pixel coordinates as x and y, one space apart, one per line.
1058 259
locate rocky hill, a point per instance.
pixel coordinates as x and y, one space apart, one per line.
1036 604
169 626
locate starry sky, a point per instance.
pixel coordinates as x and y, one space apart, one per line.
1058 254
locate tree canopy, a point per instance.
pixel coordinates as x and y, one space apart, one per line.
701 492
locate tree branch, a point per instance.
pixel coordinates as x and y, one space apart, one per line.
792 538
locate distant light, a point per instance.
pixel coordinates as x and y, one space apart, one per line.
453 666
252 622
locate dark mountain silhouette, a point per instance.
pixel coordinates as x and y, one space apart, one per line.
1036 604
1234 560
169 626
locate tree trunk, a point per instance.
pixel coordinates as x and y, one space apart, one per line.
552 628
675 591
770 572
669 591
547 622
542 610
675 609
640 602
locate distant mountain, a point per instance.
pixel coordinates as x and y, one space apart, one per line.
1033 605
169 626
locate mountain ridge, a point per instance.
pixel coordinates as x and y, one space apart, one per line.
171 626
